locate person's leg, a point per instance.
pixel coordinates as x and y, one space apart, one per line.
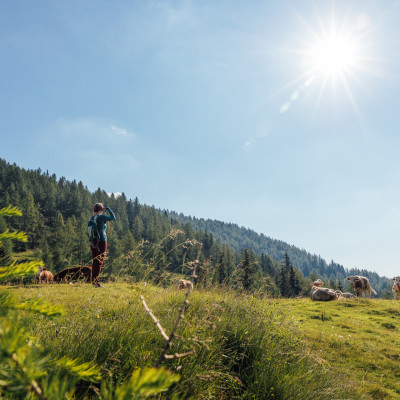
95 261
98 261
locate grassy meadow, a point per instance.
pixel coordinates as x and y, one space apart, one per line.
245 347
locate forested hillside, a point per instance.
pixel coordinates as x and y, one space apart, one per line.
152 244
309 264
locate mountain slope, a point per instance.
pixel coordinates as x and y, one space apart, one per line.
240 237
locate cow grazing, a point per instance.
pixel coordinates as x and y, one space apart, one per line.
360 285
183 284
37 277
45 276
319 293
396 288
74 274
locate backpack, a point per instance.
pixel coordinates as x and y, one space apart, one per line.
92 229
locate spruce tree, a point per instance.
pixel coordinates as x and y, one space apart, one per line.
221 269
283 282
138 228
136 208
294 284
248 271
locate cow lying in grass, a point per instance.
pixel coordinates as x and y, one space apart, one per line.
74 274
347 295
183 284
319 293
45 276
396 288
360 285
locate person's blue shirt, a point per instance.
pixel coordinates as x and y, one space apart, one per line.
101 223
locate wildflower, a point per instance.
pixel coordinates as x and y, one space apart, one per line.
98 316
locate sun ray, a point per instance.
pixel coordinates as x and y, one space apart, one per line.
351 97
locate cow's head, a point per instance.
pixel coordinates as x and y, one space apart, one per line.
317 283
359 284
355 281
396 281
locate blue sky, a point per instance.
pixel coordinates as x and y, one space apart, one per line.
218 109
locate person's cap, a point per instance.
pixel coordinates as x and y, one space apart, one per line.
98 207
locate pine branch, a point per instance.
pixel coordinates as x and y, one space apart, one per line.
10 212
15 270
20 236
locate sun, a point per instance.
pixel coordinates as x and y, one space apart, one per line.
334 55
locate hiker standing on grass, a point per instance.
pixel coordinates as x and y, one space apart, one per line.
98 239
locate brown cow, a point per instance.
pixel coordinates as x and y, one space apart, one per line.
45 276
396 287
360 284
319 293
73 274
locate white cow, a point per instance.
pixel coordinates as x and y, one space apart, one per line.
183 284
319 293
396 287
37 278
360 285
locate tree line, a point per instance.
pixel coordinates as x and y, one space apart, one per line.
311 265
146 243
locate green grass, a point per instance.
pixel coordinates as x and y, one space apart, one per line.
360 336
246 348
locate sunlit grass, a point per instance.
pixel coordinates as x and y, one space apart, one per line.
245 347
359 336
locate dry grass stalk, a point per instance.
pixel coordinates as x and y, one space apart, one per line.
156 321
164 355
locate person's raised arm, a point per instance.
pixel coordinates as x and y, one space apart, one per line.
110 217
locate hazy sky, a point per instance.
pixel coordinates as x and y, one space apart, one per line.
279 116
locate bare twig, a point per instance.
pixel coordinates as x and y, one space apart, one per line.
182 355
156 321
171 336
164 355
